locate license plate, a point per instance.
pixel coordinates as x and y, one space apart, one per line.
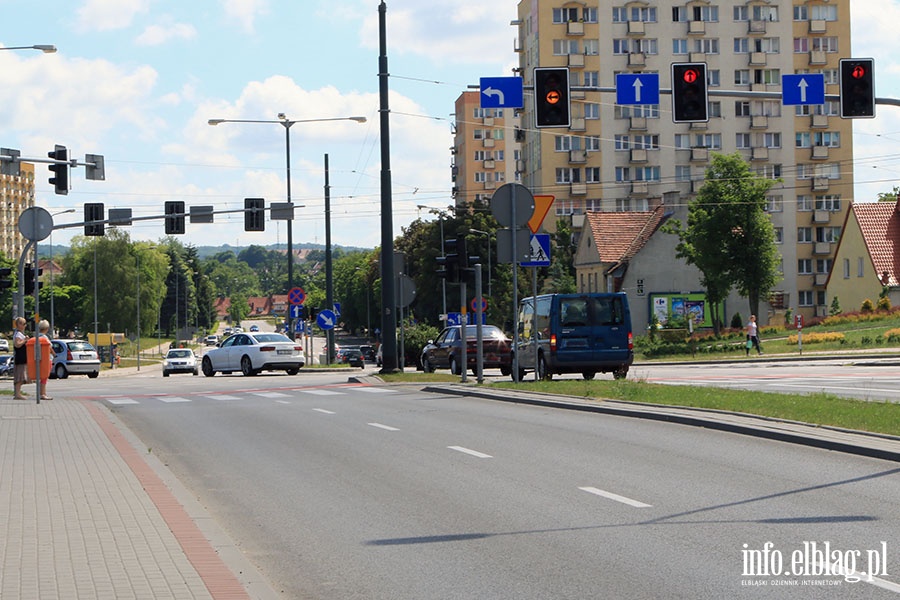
84 356
285 351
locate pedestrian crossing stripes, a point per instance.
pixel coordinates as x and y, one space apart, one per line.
281 397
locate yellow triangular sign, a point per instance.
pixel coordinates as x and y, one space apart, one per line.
542 206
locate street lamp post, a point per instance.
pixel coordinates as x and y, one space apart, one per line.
45 48
287 124
488 235
52 323
440 215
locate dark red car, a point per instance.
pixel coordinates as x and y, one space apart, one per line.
446 351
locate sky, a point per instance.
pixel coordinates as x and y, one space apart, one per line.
138 80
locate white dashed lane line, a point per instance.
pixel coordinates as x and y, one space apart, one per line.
324 412
616 497
470 452
385 427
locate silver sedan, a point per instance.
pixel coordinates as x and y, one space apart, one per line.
251 353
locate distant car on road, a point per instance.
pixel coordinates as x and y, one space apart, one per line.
6 365
4 345
212 340
251 353
445 352
74 357
353 357
254 328
180 360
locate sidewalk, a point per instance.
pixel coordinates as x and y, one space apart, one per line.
88 514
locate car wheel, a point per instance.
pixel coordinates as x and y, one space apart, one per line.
195 372
292 371
247 367
61 372
165 373
454 366
93 375
543 373
505 371
207 367
588 375
427 367
620 373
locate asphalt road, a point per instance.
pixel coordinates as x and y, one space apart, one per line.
346 491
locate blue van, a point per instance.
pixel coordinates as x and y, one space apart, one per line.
575 333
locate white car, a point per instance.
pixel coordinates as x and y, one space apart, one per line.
251 353
4 345
179 360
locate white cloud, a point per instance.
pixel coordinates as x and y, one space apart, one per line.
156 35
105 15
245 11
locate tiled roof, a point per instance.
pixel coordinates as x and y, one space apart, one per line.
619 236
879 223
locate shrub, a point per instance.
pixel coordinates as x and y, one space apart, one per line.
884 303
835 307
736 321
867 306
892 335
818 338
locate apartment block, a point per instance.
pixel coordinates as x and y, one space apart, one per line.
16 194
625 157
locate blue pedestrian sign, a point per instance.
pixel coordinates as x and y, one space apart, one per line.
540 251
502 92
326 319
637 88
807 88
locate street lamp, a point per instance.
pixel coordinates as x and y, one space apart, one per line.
45 48
52 324
440 214
287 123
485 233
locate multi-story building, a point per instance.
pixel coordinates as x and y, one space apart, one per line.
624 158
485 149
16 194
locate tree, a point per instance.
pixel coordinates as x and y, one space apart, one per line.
889 196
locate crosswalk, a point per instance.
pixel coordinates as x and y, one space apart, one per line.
281 396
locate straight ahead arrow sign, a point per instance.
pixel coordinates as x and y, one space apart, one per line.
637 89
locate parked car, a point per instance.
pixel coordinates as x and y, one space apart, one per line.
445 352
4 345
212 340
340 352
353 357
251 353
6 365
74 357
180 360
368 352
254 328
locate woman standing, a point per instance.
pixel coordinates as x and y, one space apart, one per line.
753 336
20 358
43 328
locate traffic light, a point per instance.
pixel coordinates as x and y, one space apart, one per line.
449 263
551 97
690 98
29 278
857 88
93 212
254 214
60 179
174 217
5 278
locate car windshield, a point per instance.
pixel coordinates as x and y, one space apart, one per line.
79 346
271 337
179 353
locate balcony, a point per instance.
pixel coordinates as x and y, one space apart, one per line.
818 57
760 153
490 185
639 155
757 26
819 152
637 59
640 188
759 122
759 87
637 124
701 125
822 248
758 59
696 184
576 60
820 184
577 156
488 142
821 279
520 166
575 28
700 154
488 164
577 124
697 57
696 27
819 121
578 189
821 216
636 28
576 94
818 26
489 121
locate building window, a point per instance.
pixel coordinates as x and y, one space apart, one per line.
805 298
592 47
765 13
566 175
846 268
742 141
804 266
706 45
592 143
742 77
804 203
592 175
623 204
741 45
774 203
801 12
804 235
565 15
742 108
682 173
823 266
591 110
829 202
825 44
779 235
823 13
830 235
565 47
860 267
741 14
589 14
679 46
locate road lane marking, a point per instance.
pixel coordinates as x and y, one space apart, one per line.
171 399
322 392
122 401
385 427
474 453
271 394
616 497
224 397
324 412
374 390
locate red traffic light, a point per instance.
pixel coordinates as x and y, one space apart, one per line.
690 75
858 72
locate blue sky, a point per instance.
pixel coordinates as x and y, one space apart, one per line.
137 81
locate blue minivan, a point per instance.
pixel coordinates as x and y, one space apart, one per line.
575 333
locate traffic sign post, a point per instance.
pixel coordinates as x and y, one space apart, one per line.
637 88
502 92
808 88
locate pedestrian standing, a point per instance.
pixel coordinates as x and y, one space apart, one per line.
753 336
43 328
20 358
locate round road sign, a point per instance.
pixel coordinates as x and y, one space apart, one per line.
296 296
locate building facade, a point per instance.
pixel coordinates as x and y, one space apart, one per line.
16 195
624 158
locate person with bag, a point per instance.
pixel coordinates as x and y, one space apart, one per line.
20 358
753 336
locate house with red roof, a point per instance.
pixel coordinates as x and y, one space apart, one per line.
867 257
628 252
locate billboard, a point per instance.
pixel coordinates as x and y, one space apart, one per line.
674 308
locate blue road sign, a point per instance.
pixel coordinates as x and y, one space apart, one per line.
540 251
637 88
808 88
502 92
454 319
296 311
337 308
300 327
326 319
